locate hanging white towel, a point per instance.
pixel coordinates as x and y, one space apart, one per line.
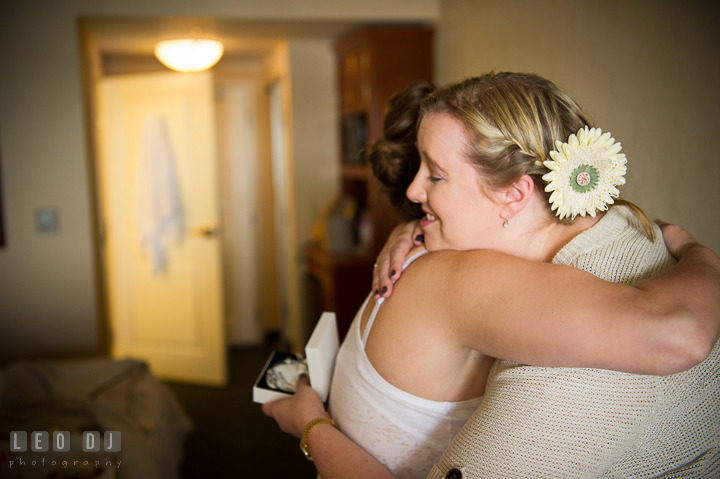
157 193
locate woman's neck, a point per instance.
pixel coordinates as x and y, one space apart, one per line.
562 234
540 236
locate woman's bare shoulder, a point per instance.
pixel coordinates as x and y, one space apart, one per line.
441 282
484 263
464 262
461 283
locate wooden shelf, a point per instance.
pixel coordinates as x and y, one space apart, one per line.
357 172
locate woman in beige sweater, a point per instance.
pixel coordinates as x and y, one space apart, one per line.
486 159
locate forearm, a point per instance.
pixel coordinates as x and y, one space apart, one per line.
663 325
687 299
551 315
337 457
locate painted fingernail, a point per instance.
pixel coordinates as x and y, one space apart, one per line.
392 273
384 289
375 293
420 238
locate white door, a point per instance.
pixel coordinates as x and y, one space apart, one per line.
173 319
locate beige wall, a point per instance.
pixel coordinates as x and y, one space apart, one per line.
315 129
646 70
48 302
315 142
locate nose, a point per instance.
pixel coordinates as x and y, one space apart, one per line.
416 191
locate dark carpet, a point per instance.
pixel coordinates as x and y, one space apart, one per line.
232 438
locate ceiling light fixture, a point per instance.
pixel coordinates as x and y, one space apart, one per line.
191 55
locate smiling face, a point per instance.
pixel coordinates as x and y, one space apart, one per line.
459 214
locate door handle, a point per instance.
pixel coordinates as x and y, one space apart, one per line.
205 231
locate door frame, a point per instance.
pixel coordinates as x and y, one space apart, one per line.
91 71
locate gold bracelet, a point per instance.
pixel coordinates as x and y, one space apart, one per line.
306 433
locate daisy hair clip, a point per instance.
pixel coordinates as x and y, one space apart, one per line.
584 173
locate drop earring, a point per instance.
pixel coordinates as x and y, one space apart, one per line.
507 222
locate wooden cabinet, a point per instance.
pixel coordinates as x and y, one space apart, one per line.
373 64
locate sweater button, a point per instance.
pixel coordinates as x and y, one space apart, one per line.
454 474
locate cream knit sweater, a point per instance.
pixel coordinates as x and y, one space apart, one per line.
588 423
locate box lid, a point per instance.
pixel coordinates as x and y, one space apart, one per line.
320 352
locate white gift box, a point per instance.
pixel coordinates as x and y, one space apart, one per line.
320 353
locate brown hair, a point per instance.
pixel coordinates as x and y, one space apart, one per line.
394 157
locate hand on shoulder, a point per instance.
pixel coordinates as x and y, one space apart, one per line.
397 249
677 240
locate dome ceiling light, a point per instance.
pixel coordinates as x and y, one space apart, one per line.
189 55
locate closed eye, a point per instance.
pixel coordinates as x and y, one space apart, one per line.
435 179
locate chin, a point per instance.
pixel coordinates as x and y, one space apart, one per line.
432 245
429 244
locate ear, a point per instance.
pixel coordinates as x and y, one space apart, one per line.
517 196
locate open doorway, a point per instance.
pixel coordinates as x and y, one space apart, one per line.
158 317
258 54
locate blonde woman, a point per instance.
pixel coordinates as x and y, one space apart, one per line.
485 162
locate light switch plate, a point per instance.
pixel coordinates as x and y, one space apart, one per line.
46 220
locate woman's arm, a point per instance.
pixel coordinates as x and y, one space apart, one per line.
663 325
551 315
388 267
335 455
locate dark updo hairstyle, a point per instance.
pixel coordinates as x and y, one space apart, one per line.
394 157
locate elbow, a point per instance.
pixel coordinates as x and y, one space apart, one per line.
689 344
699 347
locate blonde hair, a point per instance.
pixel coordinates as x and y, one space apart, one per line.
512 121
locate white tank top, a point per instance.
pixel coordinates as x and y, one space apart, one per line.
406 433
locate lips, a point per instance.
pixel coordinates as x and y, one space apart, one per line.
428 219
